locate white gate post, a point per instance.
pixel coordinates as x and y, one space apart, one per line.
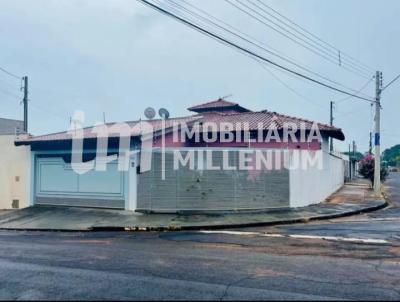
132 180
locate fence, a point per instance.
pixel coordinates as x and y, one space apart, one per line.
315 184
231 190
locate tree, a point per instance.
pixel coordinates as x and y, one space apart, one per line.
367 169
389 155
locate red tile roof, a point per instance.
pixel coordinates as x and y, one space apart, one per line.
217 104
265 119
89 133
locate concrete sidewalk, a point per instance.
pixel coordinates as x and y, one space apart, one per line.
352 199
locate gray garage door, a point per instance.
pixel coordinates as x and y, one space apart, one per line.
207 190
56 183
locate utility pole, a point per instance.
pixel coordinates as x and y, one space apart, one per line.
25 101
354 158
350 176
377 174
331 123
370 143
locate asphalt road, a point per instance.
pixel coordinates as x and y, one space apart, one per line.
353 258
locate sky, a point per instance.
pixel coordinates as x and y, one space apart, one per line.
119 57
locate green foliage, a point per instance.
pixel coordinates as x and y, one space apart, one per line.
391 156
398 160
367 169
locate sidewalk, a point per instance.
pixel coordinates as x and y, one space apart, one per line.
352 199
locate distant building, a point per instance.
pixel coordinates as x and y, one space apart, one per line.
11 127
15 166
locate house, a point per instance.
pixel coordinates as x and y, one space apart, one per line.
220 135
15 165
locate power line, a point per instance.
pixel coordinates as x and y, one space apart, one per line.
11 85
359 91
10 94
390 134
263 65
336 55
391 82
315 36
350 112
50 113
289 87
34 106
10 73
235 29
247 51
322 54
289 60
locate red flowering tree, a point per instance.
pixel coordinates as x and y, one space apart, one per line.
367 169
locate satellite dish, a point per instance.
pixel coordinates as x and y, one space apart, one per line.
163 113
150 113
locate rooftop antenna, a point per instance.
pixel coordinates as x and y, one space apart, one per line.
104 117
163 113
149 113
72 123
226 97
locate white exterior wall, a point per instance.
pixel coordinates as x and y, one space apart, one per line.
15 162
314 184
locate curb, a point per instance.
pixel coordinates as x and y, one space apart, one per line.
288 221
248 224
174 228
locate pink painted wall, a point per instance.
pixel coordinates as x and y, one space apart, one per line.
170 143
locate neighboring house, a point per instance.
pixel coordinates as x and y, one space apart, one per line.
14 166
351 165
186 190
11 127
